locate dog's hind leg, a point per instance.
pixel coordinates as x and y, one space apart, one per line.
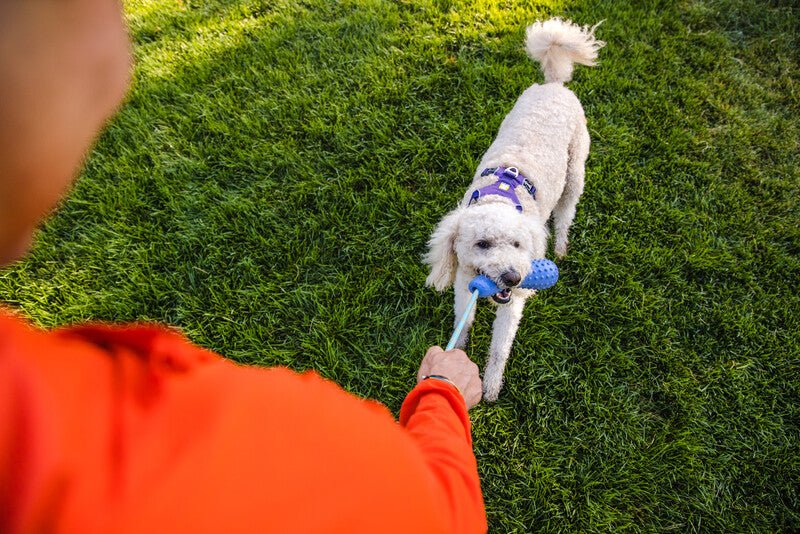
564 212
504 330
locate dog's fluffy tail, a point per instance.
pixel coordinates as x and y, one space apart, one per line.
558 44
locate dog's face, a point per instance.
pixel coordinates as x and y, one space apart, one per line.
491 239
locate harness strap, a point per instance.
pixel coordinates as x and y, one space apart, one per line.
508 180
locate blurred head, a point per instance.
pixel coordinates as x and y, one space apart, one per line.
65 68
23 204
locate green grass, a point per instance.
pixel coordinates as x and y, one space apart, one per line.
272 181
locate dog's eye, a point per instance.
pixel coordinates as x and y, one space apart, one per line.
483 244
516 244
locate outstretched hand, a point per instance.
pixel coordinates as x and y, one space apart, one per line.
456 366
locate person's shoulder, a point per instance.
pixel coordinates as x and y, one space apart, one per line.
11 319
310 387
157 347
14 329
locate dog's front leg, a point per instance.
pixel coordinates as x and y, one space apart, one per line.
463 297
504 330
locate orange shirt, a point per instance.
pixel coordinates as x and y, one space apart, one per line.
133 429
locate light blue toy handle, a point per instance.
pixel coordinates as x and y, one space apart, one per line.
544 274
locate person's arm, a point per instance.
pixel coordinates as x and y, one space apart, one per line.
435 414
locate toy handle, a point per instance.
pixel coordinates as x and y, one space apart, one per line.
544 274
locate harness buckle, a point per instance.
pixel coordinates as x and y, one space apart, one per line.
475 196
530 188
511 172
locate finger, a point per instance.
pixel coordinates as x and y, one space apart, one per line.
456 352
458 355
473 397
425 365
433 350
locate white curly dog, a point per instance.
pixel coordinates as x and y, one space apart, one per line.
534 169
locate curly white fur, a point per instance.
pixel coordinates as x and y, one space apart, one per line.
545 137
558 44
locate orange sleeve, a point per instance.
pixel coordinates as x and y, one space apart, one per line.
435 414
133 429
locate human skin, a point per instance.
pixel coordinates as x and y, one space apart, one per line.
458 368
65 68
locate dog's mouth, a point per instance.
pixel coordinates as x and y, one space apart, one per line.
504 297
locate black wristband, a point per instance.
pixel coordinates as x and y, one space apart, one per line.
443 379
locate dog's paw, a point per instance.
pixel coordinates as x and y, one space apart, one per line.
561 250
490 394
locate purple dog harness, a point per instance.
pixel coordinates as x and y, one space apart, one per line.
508 180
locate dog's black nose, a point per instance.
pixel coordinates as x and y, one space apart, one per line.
510 278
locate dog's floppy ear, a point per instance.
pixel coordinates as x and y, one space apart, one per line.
441 254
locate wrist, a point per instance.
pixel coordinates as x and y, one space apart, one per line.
441 378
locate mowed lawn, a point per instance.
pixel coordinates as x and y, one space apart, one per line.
271 183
